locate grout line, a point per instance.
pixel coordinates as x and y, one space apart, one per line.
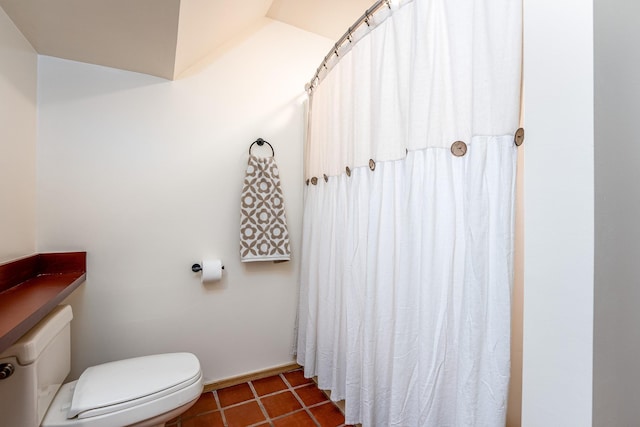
255 397
181 417
217 399
224 419
286 381
304 406
262 408
287 414
273 393
288 388
312 417
324 402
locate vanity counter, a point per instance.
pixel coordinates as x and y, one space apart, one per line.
31 287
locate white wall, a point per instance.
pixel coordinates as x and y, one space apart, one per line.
617 335
145 175
18 77
559 213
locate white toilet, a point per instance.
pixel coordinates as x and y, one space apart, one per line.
142 392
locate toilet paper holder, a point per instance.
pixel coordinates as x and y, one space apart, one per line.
197 267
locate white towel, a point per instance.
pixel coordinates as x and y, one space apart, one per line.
263 223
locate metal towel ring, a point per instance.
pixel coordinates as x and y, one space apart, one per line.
261 142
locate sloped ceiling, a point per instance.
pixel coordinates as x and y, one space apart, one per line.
162 37
329 18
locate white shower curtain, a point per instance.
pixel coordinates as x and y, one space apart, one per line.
406 269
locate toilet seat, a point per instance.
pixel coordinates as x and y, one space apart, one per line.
118 385
125 392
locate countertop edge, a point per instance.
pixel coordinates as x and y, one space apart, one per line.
29 317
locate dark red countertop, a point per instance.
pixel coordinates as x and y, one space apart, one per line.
31 287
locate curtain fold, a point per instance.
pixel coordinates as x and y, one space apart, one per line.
406 271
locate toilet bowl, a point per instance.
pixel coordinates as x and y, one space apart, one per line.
142 392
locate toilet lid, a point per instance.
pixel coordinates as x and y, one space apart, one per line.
125 383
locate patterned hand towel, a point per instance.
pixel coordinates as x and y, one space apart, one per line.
263 224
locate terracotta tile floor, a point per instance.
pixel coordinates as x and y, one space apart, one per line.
285 400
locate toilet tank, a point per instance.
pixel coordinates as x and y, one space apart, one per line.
42 360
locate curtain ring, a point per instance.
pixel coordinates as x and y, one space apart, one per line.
326 178
348 171
372 165
314 180
458 148
367 17
518 138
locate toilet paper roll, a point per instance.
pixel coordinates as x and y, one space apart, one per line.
211 270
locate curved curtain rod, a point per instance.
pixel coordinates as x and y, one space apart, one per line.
347 36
